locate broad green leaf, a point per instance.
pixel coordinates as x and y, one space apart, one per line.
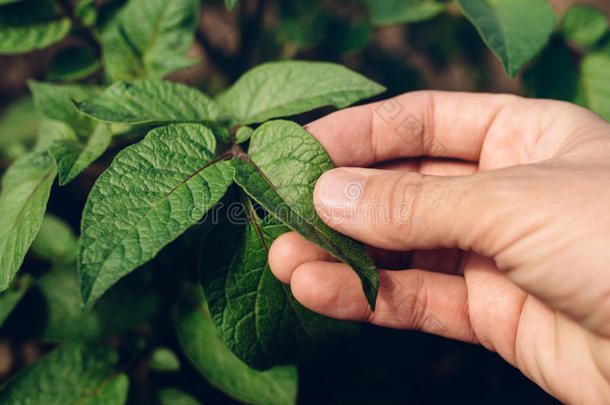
11 297
148 38
584 24
152 192
26 186
54 101
515 30
255 314
113 392
595 71
289 161
198 339
230 4
72 156
163 359
51 131
18 128
70 374
278 89
73 63
150 102
29 25
63 318
55 242
175 397
387 12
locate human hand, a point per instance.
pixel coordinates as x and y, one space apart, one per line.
500 207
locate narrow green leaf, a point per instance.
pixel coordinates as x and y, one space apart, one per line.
515 30
29 25
230 4
113 392
148 38
26 186
73 63
72 156
175 397
151 193
55 242
595 71
150 102
63 318
388 12
68 375
278 89
18 127
255 314
289 161
11 297
197 336
584 24
54 101
3 2
163 359
86 12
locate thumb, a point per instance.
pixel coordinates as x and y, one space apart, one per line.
402 211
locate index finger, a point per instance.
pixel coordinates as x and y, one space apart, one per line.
421 123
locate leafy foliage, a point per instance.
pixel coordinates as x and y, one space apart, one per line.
388 12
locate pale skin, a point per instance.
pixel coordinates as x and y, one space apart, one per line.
505 204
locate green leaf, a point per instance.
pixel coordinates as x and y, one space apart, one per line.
278 89
11 297
230 4
255 314
584 24
72 156
114 392
3 2
29 25
86 12
163 359
73 63
18 127
289 161
152 192
68 375
595 71
55 242
175 397
148 38
388 12
150 102
26 186
62 317
515 30
197 336
54 101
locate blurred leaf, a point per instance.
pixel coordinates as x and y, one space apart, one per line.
175 397
114 392
353 36
148 38
52 310
584 24
55 242
302 23
197 336
18 128
596 81
152 192
26 186
151 102
73 63
30 24
284 164
54 101
278 89
86 12
72 156
3 2
68 375
230 4
515 30
163 359
51 131
11 297
387 12
255 314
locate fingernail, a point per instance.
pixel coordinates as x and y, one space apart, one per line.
338 191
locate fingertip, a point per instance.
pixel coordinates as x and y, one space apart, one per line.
289 251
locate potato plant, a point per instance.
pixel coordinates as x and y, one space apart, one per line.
185 191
